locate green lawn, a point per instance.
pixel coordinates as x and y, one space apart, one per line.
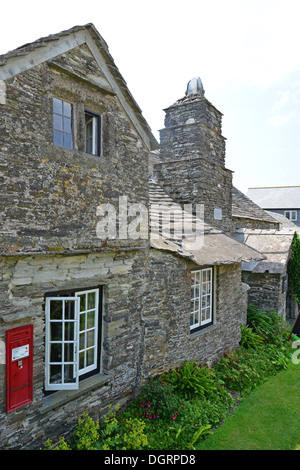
268 419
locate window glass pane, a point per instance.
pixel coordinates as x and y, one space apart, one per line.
69 352
90 339
69 331
82 322
55 374
56 310
58 138
56 352
69 373
90 357
57 122
55 331
67 125
81 341
82 302
91 300
67 109
81 360
90 320
57 106
69 310
68 141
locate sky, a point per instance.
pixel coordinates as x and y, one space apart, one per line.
246 53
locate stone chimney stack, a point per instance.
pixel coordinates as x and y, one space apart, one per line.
192 154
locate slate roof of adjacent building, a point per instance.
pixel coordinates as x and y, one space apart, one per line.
275 245
214 248
32 54
276 197
243 207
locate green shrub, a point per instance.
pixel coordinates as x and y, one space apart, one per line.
191 379
269 325
249 339
157 400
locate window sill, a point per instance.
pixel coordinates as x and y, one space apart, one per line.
62 397
202 332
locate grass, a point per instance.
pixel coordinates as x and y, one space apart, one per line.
267 419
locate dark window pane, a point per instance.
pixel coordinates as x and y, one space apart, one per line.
58 138
69 310
55 310
69 331
69 374
55 374
56 352
55 331
69 352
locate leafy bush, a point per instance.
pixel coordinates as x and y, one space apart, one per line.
191 379
111 434
269 325
250 339
157 400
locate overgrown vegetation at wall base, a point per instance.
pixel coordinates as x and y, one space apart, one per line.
294 267
177 410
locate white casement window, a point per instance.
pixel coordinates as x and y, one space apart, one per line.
291 215
92 133
71 338
201 298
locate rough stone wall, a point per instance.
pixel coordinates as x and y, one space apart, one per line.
23 284
51 193
168 341
266 291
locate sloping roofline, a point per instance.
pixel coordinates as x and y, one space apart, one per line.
32 54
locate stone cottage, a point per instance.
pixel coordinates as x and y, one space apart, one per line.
271 234
107 304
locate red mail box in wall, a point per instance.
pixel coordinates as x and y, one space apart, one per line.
19 367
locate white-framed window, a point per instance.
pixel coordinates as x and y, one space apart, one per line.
72 337
62 123
201 299
92 133
291 215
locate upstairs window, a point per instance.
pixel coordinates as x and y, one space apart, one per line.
92 133
62 123
201 299
291 215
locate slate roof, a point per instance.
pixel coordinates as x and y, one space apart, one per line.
276 197
214 248
244 207
275 245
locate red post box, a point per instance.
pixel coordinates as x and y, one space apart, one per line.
19 367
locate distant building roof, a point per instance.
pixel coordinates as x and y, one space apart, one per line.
276 197
244 208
